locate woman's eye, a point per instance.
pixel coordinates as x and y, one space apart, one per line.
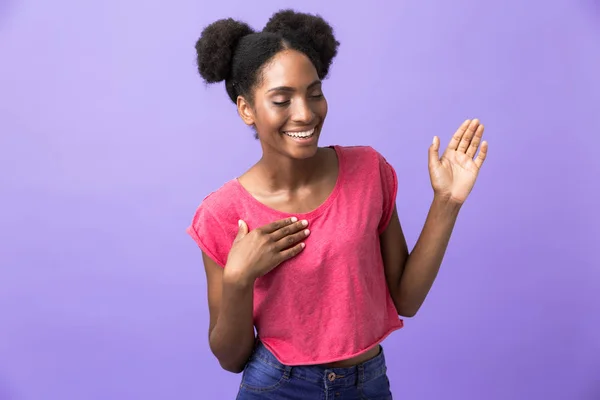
281 103
284 103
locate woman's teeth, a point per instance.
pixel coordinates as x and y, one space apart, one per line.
301 135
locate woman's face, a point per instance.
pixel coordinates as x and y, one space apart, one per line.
289 106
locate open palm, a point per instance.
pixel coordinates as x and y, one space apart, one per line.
454 174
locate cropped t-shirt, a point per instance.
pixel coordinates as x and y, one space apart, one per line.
331 302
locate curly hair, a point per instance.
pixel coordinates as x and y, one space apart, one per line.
231 51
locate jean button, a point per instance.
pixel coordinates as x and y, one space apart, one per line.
331 376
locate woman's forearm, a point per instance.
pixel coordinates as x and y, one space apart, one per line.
232 338
424 261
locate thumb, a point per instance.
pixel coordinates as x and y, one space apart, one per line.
434 155
242 230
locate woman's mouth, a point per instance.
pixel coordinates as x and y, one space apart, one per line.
301 135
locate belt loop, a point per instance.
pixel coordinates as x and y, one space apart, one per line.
287 371
361 375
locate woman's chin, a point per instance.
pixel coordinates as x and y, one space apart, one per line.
301 148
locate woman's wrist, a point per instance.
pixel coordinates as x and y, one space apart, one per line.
446 204
237 277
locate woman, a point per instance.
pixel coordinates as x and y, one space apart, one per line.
306 245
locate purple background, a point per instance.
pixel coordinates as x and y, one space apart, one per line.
109 140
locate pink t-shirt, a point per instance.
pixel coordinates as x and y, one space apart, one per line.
331 302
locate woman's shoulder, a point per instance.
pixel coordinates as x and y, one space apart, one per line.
220 199
213 226
359 153
362 158
367 167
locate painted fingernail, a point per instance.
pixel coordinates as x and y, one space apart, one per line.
302 245
294 219
304 222
306 232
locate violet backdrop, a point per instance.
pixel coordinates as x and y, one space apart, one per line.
109 140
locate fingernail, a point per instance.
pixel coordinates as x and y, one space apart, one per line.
294 219
305 222
306 232
240 222
302 245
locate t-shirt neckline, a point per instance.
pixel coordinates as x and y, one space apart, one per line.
310 214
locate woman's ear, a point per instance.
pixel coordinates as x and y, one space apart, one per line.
246 111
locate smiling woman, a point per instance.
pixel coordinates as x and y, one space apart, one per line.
288 108
306 246
231 51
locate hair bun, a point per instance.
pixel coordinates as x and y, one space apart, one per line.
307 27
216 46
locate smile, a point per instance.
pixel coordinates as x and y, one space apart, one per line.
301 135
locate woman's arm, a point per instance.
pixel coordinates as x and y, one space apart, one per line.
453 175
231 327
410 276
231 289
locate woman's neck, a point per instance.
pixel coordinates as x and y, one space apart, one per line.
278 172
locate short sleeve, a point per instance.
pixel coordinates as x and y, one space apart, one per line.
209 235
389 190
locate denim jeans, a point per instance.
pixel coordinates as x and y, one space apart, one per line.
265 378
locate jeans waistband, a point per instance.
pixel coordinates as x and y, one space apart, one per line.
350 376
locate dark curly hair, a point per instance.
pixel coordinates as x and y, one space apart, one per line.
230 51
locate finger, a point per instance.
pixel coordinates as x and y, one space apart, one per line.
291 240
465 141
242 230
453 145
288 230
291 252
482 154
434 154
475 142
273 226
